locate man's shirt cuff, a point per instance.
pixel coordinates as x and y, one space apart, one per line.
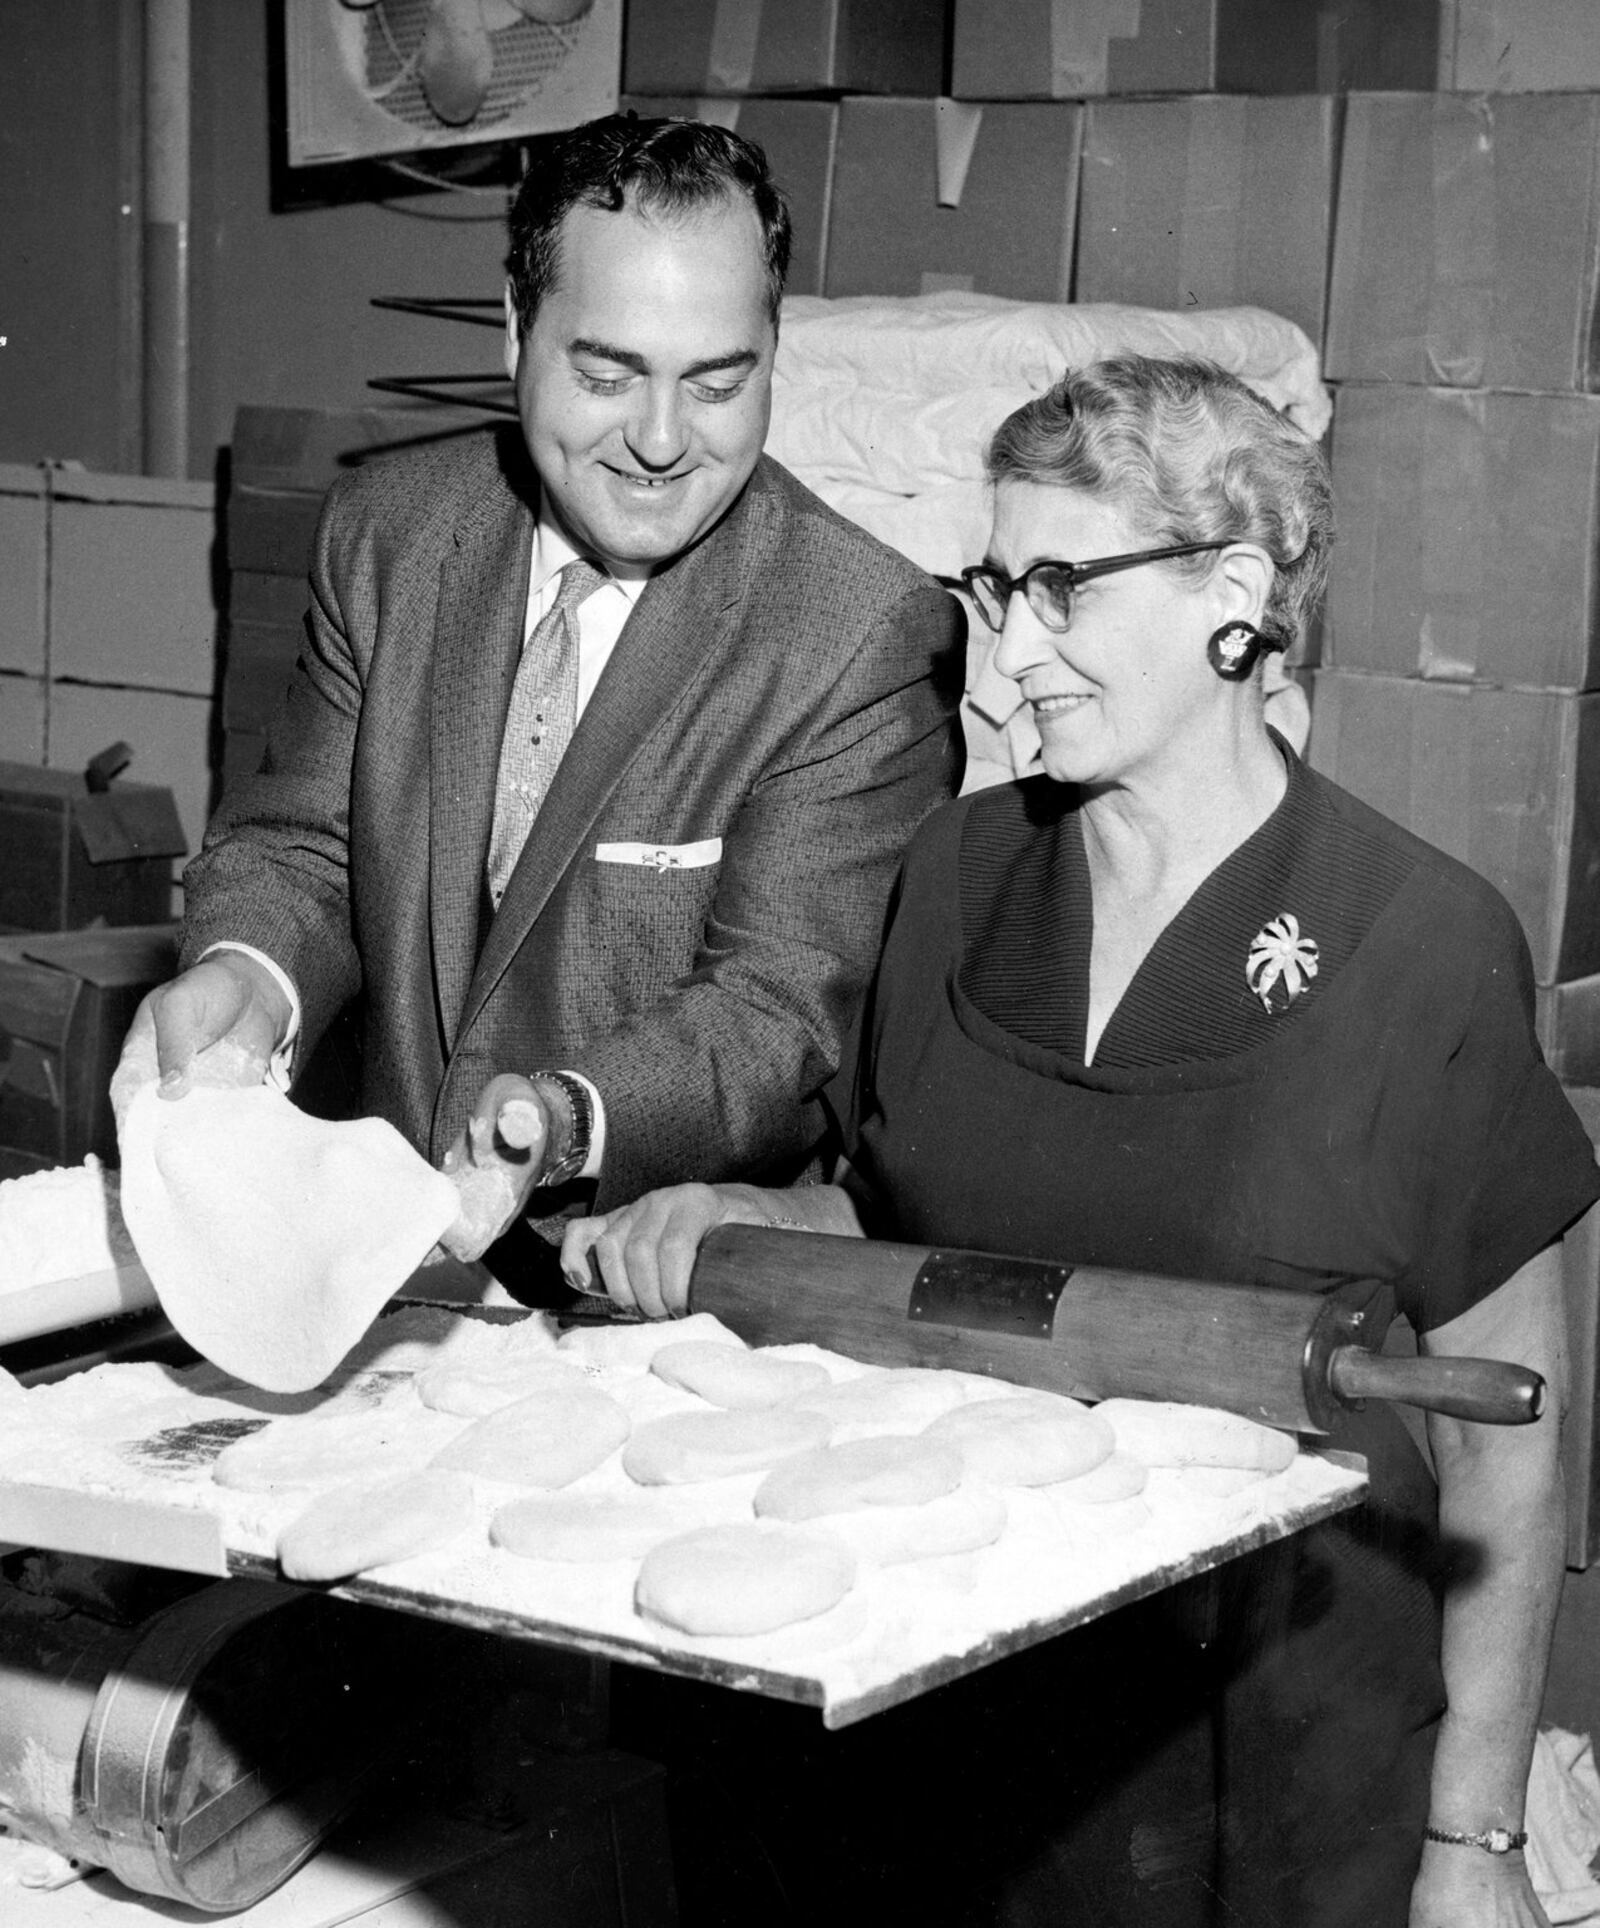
281 1065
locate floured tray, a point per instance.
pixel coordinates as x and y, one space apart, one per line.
118 1462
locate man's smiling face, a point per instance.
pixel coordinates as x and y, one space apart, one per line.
645 383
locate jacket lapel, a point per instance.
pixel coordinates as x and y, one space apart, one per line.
682 616
483 598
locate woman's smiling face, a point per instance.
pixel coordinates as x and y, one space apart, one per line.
1118 687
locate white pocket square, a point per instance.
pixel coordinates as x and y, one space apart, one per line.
683 856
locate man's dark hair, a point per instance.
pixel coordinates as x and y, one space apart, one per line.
667 167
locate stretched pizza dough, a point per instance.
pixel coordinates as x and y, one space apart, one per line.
370 1523
1033 1440
734 1376
684 1448
273 1239
887 1471
743 1579
548 1440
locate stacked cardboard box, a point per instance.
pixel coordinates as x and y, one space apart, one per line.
108 625
935 195
1062 49
1209 201
798 138
735 47
1460 688
283 461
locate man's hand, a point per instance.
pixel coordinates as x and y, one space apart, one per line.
497 1161
217 1023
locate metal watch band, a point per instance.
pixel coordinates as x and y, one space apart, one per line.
1492 1840
576 1156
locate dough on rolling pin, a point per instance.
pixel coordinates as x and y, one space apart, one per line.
311 1451
684 1448
371 1523
548 1440
1164 1432
273 1239
1032 1440
965 1521
743 1579
735 1376
895 1399
904 1470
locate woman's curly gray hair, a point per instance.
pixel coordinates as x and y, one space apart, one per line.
1187 453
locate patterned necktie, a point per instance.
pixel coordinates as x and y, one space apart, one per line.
539 725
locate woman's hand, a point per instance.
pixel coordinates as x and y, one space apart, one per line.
645 1251
1460 1887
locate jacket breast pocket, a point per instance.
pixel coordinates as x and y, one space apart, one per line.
648 922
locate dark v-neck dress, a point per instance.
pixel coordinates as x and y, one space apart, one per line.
1392 1120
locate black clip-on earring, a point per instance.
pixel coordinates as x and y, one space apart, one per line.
1236 647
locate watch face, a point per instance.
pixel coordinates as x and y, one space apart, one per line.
1499 1840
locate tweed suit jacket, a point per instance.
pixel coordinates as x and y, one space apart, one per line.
786 686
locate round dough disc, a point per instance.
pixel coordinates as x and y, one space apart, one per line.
898 1399
595 1526
548 1440
1117 1477
1030 1441
686 1447
891 1470
743 1579
735 1376
474 1389
970 1518
370 1523
1167 1432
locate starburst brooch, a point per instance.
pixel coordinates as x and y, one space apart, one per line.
1281 963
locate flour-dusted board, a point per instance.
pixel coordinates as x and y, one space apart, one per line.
117 1462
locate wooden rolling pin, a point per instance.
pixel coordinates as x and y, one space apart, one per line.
1289 1359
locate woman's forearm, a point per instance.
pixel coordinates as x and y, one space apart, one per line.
1504 1548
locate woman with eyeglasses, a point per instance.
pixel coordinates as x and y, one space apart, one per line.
1181 1005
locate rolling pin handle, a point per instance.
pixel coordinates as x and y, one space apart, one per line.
1491 1391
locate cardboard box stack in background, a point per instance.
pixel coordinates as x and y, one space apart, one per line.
1209 201
798 138
1066 49
108 626
932 195
1460 686
283 462
737 47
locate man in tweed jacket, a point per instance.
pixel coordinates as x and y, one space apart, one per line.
686 935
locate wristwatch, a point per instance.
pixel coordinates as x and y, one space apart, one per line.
581 1138
1492 1840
